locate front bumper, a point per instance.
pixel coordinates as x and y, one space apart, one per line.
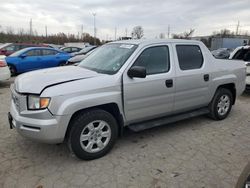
51 129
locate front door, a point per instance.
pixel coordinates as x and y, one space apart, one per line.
153 96
31 60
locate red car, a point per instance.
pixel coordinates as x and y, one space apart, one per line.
10 48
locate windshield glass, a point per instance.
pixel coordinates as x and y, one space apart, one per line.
4 45
18 53
109 58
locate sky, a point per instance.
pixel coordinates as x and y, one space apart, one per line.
205 16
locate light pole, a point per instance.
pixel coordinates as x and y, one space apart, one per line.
94 14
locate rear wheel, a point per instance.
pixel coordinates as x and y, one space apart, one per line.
221 104
12 70
93 134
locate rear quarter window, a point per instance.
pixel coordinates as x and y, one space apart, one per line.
189 57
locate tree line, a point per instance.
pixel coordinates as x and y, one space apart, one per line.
59 38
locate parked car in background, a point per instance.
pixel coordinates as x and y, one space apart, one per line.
4 69
138 84
78 58
243 53
84 50
10 48
222 53
35 58
70 49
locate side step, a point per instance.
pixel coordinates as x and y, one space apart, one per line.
166 120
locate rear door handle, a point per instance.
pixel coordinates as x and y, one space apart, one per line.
206 77
169 83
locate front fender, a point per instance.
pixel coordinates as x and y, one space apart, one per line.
70 105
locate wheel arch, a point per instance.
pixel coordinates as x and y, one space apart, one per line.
230 87
112 108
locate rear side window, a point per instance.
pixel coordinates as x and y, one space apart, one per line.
154 59
49 52
189 56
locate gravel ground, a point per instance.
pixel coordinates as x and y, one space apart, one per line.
198 152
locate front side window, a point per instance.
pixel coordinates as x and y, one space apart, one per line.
189 56
154 59
75 49
109 58
33 53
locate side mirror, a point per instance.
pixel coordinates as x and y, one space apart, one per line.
137 72
23 55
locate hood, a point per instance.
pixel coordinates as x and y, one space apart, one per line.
36 81
77 58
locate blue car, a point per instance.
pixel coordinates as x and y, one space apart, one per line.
35 58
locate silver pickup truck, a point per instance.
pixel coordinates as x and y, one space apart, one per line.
136 84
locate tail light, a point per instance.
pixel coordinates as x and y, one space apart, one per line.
3 63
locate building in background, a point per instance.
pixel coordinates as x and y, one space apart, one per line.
232 43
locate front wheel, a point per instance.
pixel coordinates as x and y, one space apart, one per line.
221 104
12 70
93 134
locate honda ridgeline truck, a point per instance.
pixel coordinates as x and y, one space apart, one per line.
137 84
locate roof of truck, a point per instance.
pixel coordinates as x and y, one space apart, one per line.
153 41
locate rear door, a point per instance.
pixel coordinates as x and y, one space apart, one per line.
49 58
153 96
192 78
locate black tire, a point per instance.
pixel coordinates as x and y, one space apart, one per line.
12 70
213 106
62 64
79 124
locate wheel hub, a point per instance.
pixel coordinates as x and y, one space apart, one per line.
95 136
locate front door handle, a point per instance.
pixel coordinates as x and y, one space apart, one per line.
169 83
206 77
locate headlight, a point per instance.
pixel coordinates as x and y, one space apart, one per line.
37 103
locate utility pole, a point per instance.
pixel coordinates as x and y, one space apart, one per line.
81 31
126 32
168 31
115 32
46 31
31 32
94 14
237 28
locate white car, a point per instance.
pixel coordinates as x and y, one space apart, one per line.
243 53
4 69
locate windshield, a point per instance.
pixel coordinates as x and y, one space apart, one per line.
4 45
109 58
18 53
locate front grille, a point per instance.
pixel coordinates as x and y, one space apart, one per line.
18 99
